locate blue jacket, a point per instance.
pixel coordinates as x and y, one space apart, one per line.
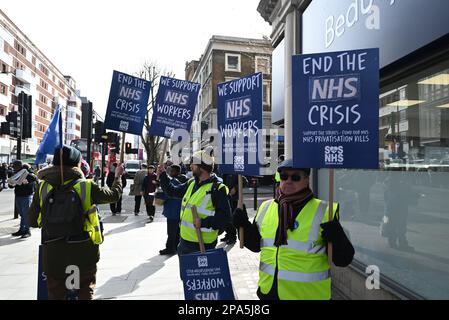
172 206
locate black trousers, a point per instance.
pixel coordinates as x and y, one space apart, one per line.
117 206
138 200
172 235
231 231
151 209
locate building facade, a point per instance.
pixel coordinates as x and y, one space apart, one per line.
24 68
226 59
408 194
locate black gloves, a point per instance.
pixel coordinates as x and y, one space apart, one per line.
332 231
240 218
343 251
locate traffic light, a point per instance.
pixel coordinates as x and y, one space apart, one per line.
99 132
6 128
128 147
26 102
116 149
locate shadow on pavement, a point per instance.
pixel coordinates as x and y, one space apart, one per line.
116 286
128 227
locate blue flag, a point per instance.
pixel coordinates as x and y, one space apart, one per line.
52 138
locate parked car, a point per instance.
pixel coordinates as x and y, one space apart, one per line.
131 167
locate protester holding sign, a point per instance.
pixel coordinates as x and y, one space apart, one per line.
292 232
208 194
71 231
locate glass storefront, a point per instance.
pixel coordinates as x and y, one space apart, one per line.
398 217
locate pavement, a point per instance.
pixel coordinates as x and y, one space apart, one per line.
130 267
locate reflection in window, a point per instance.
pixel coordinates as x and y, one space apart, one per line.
414 124
398 217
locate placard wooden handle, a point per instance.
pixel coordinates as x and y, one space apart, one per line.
240 205
198 230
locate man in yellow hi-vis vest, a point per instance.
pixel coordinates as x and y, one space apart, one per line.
70 240
292 232
208 194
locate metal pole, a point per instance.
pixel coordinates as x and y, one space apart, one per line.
19 133
290 49
255 193
104 146
330 211
122 149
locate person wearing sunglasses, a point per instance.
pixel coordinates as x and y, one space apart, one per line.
292 232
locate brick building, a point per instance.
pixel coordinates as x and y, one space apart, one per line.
24 68
226 59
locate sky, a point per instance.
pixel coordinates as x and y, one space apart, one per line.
88 39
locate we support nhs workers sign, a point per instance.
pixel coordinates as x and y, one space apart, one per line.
127 106
239 118
175 106
206 276
336 110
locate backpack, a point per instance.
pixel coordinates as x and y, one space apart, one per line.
62 212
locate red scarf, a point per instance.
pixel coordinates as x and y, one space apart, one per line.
289 208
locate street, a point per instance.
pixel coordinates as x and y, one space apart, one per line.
130 266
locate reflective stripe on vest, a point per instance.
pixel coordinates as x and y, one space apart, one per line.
308 247
191 226
262 214
294 276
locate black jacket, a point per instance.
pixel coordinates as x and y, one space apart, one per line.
222 208
110 180
26 190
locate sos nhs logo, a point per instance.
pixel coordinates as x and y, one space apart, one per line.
334 155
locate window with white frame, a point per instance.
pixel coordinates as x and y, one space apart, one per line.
263 65
266 93
210 65
227 79
233 62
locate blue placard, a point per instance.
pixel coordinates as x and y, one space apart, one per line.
42 292
239 117
206 276
175 106
336 110
128 102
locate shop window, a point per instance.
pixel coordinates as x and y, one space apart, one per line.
408 195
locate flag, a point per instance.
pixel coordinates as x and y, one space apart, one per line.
52 138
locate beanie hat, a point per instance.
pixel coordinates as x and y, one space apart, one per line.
70 157
288 164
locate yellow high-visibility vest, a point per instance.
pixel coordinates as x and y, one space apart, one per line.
277 177
303 271
202 200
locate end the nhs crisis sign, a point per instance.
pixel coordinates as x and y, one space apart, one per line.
336 110
127 106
